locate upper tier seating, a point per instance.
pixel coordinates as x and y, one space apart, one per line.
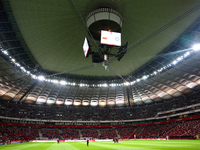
50 133
182 128
126 132
90 133
108 133
70 134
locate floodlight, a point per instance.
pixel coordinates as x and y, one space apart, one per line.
196 47
41 78
174 62
186 54
126 83
180 58
33 76
105 85
13 60
62 82
54 81
133 82
5 52
113 84
144 77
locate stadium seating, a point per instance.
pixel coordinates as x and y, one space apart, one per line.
63 112
179 129
138 130
71 134
193 131
14 132
108 133
126 132
182 128
162 129
90 133
32 111
50 133
147 130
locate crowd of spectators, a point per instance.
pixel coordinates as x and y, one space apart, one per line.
108 133
90 133
161 129
182 128
18 133
194 131
126 132
70 133
179 129
50 133
55 112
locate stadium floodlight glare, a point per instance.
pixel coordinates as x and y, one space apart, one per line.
13 60
54 81
93 104
179 58
5 52
33 76
85 103
105 85
196 47
83 85
62 82
23 69
126 83
138 80
41 78
68 103
133 82
17 64
186 54
113 85
144 77
174 62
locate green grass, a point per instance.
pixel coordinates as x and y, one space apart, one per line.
108 145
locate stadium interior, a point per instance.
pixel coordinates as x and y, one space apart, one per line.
146 88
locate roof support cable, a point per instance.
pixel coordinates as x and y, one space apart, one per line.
118 74
164 27
71 70
87 28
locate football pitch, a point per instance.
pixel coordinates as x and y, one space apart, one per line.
108 145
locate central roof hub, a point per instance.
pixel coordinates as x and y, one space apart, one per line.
103 19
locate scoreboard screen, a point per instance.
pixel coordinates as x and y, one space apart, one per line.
86 47
110 38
